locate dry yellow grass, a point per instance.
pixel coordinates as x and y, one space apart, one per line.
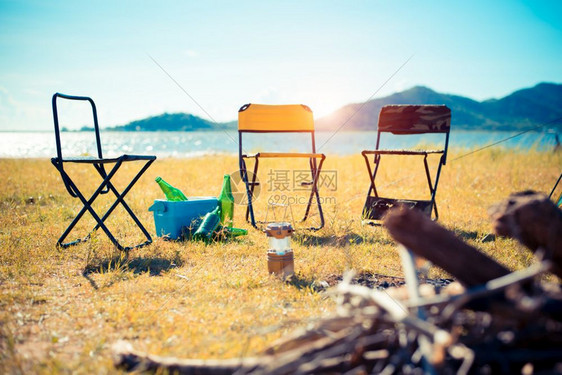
60 310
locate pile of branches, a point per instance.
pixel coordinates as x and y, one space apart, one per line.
490 321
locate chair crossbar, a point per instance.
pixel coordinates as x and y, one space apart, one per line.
401 152
284 155
94 160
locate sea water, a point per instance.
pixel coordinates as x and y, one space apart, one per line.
194 144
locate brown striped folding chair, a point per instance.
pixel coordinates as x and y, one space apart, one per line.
406 120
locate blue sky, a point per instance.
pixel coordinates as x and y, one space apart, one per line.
226 53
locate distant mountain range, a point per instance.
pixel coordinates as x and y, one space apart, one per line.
524 109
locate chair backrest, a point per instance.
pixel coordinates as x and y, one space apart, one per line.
262 118
56 121
415 119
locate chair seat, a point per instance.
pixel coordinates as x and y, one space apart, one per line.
284 155
95 160
402 152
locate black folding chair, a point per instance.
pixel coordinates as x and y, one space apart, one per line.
105 187
407 120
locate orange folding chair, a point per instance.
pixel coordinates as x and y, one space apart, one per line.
260 118
407 120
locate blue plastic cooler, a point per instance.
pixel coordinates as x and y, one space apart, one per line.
173 219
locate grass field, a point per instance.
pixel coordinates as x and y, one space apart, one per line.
60 310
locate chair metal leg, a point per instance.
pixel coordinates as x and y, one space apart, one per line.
244 175
433 186
372 177
251 195
87 206
313 175
375 206
372 174
120 200
250 186
316 174
249 191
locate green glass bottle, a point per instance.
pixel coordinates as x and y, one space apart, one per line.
226 202
234 232
210 223
172 193
226 233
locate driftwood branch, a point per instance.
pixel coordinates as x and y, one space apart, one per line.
535 221
429 240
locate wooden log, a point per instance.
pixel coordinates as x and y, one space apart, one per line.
325 355
429 240
126 358
533 220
